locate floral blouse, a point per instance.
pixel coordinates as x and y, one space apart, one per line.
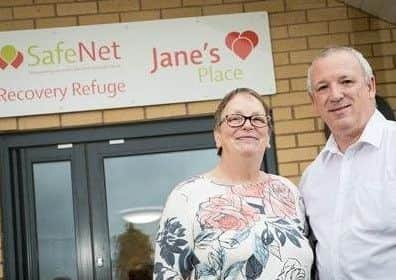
233 232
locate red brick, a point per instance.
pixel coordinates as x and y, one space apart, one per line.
270 6
308 29
279 32
56 22
356 13
326 40
291 71
327 14
349 25
182 12
5 13
76 8
16 25
223 9
141 15
98 19
304 4
160 4
368 37
384 49
13 3
289 44
287 18
118 6
34 11
200 2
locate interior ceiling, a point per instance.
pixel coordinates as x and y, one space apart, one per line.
384 9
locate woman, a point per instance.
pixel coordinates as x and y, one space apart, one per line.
235 222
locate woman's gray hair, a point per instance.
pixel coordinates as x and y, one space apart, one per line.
367 70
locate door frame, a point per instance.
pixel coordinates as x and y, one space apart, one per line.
96 154
33 155
14 256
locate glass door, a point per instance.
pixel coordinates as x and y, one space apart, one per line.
137 178
55 213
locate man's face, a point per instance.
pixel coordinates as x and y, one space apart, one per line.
340 93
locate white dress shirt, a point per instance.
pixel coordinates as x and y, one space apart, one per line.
350 200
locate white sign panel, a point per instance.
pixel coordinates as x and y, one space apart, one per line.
133 64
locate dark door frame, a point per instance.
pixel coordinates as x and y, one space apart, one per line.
74 155
11 144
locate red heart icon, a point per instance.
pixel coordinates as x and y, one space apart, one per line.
243 43
18 60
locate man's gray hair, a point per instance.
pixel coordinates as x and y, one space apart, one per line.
367 70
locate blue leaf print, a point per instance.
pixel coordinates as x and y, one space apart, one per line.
170 240
281 236
159 276
301 229
296 220
235 240
205 238
179 242
295 232
253 268
234 270
293 239
261 252
217 259
257 206
267 237
242 235
167 255
174 249
229 243
187 261
204 270
159 271
282 222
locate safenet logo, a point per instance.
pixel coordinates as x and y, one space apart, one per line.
82 52
9 55
60 54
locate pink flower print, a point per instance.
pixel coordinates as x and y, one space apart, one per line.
253 190
227 212
279 200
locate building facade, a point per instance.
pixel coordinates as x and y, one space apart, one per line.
299 29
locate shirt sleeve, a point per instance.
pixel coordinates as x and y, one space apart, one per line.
174 257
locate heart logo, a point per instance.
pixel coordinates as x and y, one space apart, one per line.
243 43
10 56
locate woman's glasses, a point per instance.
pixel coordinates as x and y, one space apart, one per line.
238 120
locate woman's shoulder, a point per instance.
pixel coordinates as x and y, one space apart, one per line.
285 182
191 185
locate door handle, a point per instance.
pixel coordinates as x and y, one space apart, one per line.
99 262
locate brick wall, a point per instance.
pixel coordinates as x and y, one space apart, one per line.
299 29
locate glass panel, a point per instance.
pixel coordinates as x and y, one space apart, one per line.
55 220
137 187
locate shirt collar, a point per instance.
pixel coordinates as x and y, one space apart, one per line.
372 134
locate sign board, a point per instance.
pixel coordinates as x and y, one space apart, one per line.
133 64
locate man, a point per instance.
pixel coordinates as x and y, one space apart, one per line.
350 188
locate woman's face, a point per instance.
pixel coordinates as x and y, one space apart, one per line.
246 140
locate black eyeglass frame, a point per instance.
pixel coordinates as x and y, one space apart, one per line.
245 118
